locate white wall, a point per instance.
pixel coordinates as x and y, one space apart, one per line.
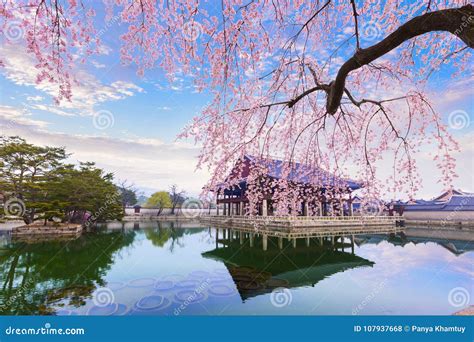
439 215
167 211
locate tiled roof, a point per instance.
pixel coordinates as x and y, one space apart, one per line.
456 203
302 173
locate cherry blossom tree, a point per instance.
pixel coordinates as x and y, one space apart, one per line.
339 85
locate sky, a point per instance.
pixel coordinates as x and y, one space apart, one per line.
128 124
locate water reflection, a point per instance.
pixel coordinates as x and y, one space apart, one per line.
171 268
456 247
36 275
285 263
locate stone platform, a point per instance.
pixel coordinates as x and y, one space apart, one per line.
38 231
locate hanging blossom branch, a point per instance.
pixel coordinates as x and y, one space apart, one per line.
287 78
450 20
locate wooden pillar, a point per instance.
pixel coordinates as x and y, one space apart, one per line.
241 237
321 241
280 242
264 242
305 208
231 235
342 242
351 208
251 239
294 242
320 205
307 242
264 208
352 244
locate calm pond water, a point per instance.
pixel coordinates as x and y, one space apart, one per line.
166 268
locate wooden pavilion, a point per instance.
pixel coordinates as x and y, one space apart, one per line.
318 192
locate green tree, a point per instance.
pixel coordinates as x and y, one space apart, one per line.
86 194
51 189
159 200
25 171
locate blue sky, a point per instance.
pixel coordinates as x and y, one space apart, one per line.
149 112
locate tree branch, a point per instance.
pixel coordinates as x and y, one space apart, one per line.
458 21
356 23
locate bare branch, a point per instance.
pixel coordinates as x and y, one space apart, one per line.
354 11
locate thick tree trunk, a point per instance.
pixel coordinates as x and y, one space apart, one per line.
458 21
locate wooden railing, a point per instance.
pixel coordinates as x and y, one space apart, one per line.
307 218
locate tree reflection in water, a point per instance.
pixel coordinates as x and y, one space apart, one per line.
36 275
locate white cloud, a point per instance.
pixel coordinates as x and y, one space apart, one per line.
104 49
35 98
148 163
51 109
10 118
98 65
126 88
88 93
453 92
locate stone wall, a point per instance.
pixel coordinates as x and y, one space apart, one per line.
63 229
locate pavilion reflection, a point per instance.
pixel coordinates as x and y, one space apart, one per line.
284 263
